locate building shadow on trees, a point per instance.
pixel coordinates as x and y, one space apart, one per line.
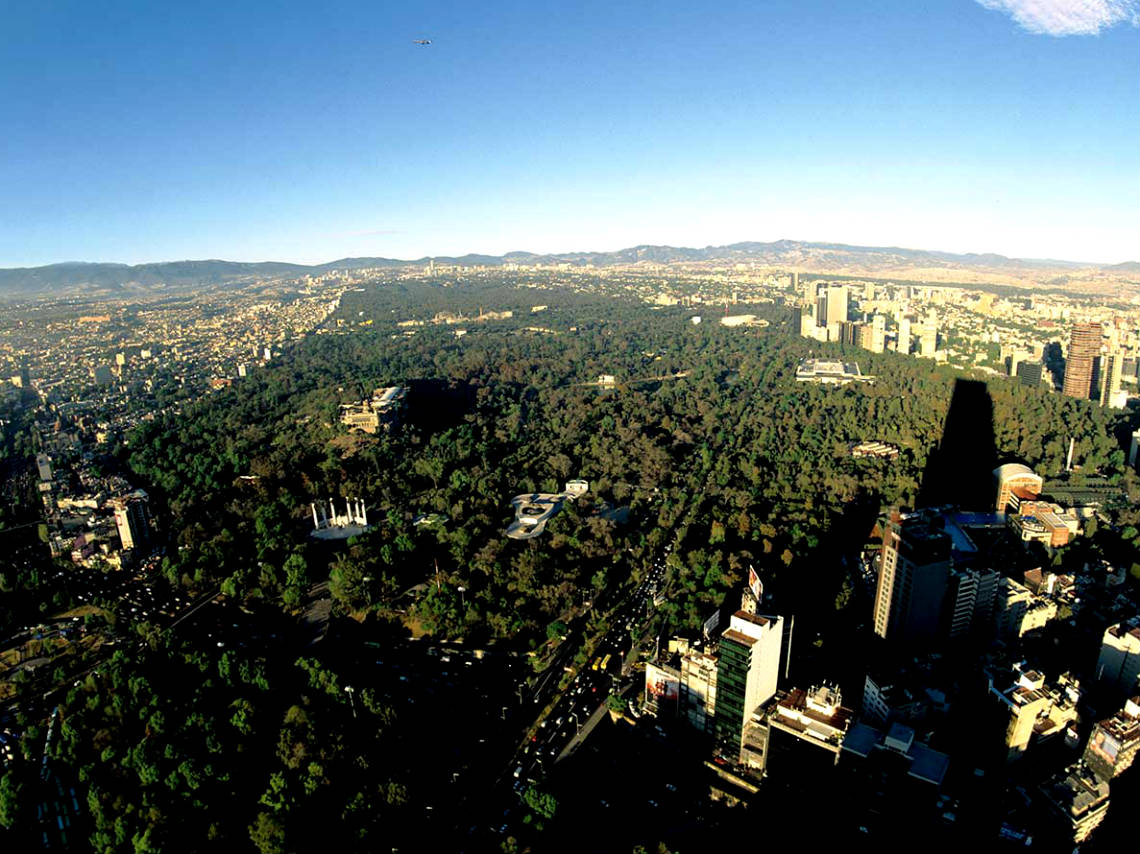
959 470
827 599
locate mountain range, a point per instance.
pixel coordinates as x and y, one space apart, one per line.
79 278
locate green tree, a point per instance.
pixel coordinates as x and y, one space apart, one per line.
12 807
542 804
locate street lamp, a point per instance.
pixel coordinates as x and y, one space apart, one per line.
462 606
348 689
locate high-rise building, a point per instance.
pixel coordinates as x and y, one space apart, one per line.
799 736
747 671
903 345
970 602
132 518
914 571
1111 365
1037 711
1134 449
698 690
831 306
1084 347
928 338
878 333
806 290
1114 742
808 325
1118 665
1029 373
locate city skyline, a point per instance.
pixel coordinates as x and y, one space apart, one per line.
143 135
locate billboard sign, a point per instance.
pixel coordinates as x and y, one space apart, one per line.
755 585
1105 746
711 623
662 688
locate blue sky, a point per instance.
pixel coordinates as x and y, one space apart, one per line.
137 131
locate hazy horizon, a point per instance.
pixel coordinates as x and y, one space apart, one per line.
316 262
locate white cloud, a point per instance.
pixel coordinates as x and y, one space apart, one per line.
1067 17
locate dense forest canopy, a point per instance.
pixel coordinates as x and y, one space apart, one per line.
733 459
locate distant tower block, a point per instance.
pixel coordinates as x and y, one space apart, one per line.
132 518
1084 347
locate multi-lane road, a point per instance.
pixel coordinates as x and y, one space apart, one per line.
582 703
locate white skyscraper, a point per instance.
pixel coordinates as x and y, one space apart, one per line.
904 336
878 333
928 338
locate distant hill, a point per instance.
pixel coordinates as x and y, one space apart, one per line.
823 258
109 278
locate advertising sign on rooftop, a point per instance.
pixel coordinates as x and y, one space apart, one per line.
755 585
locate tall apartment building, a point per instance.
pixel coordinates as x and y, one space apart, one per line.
914 571
928 338
903 345
698 690
1084 348
831 306
1118 664
799 735
1029 373
132 518
970 602
1111 365
1114 742
747 671
873 335
1036 711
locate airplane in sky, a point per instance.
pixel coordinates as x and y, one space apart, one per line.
421 41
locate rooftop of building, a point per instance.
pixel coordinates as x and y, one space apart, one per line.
829 369
1124 726
816 713
739 637
1122 630
755 619
1076 791
925 764
1011 470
